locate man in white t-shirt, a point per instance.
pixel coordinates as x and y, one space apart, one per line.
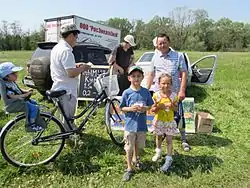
65 71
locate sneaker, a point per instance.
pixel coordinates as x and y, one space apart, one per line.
167 164
127 175
185 146
156 157
34 128
138 164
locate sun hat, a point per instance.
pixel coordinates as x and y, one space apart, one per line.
7 68
130 39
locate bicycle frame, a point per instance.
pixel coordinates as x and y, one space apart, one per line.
94 105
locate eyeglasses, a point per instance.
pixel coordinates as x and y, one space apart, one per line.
76 36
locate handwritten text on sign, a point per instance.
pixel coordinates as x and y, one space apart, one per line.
87 81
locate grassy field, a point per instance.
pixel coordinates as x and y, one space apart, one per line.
217 160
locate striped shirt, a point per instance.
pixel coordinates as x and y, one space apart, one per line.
172 63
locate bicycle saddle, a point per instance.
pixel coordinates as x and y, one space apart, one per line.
54 94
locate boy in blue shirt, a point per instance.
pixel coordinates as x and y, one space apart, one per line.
135 101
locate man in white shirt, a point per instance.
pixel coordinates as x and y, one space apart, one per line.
65 71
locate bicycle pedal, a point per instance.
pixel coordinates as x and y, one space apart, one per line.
74 137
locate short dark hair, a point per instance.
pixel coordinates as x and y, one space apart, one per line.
66 34
164 35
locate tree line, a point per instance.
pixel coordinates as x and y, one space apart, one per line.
188 30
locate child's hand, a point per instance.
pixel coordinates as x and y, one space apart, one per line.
161 107
175 106
26 94
142 109
30 90
168 105
134 108
154 109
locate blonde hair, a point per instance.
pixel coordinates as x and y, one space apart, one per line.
165 75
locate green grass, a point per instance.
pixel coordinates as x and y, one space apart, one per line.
217 160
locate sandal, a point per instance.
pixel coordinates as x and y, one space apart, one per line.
185 146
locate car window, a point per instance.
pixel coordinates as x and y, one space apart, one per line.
40 53
97 57
79 53
146 57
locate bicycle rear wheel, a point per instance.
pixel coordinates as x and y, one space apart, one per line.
18 149
115 122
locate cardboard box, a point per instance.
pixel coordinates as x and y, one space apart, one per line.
204 122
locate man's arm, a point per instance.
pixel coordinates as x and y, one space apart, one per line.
132 58
150 79
69 64
21 96
183 81
151 74
112 61
74 72
183 75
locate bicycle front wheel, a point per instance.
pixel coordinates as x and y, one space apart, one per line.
115 122
17 145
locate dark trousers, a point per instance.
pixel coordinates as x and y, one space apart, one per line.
179 115
123 82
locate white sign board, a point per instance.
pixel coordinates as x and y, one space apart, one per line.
95 32
90 31
52 29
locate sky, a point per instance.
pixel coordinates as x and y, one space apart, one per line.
31 14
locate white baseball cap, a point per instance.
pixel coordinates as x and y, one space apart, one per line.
69 28
130 39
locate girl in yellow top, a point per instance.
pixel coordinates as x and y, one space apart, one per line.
166 102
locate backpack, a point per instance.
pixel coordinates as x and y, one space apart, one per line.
40 73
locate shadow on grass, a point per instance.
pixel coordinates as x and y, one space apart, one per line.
3 114
184 165
80 160
77 161
208 140
216 129
197 92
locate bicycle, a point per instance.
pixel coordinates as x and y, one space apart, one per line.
27 149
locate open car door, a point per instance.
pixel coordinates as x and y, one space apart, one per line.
203 70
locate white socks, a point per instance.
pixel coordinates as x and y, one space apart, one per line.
158 150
